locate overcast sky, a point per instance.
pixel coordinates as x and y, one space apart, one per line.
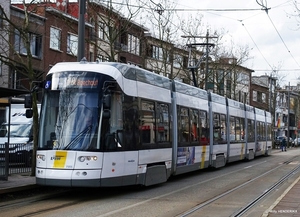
273 37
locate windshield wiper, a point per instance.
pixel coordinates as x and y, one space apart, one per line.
79 137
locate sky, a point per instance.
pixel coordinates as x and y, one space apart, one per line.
272 35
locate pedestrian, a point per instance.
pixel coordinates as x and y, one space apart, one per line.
283 144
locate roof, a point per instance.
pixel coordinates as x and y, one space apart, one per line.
7 92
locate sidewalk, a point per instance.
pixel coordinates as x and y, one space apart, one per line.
17 182
288 204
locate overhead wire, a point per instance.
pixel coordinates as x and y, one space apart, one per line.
263 3
283 40
256 45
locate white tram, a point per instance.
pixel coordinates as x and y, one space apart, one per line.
111 124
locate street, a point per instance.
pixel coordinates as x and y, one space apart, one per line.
220 192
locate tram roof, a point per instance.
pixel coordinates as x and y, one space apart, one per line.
128 71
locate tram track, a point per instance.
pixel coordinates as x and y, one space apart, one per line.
252 203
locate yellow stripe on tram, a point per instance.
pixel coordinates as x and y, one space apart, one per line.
60 159
242 151
203 157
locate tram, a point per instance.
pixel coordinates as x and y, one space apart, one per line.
112 124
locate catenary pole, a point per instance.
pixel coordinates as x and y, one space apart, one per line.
81 22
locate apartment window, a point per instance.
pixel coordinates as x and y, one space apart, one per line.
55 38
243 78
178 60
259 97
101 58
35 43
103 31
157 53
254 95
263 97
72 44
133 44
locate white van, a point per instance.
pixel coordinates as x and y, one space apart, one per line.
20 135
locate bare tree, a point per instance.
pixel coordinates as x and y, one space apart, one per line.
19 54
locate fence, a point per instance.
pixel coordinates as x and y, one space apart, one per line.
15 158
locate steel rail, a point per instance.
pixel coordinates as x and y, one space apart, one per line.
248 206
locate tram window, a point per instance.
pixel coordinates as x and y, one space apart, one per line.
263 127
232 129
250 131
183 125
223 128
237 129
204 129
163 123
147 122
259 130
242 124
131 123
219 122
194 125
116 119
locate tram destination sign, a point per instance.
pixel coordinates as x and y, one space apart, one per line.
73 81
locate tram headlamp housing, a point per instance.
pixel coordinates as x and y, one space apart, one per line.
87 158
40 157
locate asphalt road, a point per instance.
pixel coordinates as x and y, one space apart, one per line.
174 198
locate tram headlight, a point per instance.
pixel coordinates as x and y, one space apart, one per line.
40 157
87 158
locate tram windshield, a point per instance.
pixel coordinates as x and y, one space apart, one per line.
70 113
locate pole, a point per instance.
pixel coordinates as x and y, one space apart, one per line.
81 28
288 119
206 61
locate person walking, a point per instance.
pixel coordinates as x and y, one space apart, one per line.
283 144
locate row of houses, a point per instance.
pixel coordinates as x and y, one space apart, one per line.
38 35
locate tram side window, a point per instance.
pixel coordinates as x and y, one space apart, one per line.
239 129
219 128
242 129
250 132
259 128
232 129
147 117
204 130
263 130
223 128
130 135
194 125
183 125
163 123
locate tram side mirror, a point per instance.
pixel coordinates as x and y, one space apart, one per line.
107 101
28 101
29 113
106 114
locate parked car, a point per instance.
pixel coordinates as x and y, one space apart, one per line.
19 135
292 143
297 142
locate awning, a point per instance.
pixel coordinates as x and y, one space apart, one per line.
7 92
